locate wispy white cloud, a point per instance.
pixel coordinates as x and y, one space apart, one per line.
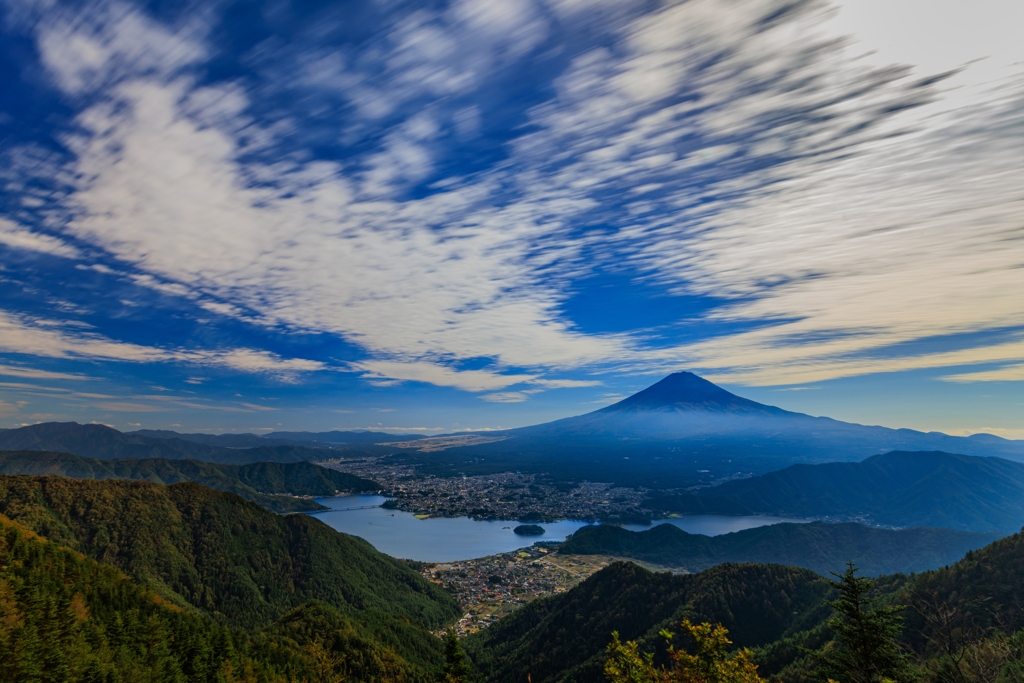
1007 373
506 397
50 339
251 360
565 383
13 236
33 373
21 336
440 375
721 155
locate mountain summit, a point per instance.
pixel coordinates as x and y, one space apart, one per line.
685 391
681 432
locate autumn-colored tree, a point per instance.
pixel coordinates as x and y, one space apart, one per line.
711 662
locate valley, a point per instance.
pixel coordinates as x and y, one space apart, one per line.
379 548
512 341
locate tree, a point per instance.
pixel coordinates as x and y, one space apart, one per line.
711 663
327 666
865 648
456 667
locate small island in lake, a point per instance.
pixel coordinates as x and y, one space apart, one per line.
528 530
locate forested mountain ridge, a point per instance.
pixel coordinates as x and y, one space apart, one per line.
269 484
219 553
985 590
563 638
65 617
776 610
817 546
919 488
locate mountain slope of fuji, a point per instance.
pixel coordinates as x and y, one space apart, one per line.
686 431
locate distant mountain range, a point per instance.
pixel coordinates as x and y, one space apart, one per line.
817 546
680 432
664 436
105 443
899 489
272 485
334 438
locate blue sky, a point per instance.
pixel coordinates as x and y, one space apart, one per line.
471 215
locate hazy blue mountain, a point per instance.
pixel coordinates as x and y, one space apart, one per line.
247 440
105 443
817 546
225 440
663 436
918 488
340 438
272 485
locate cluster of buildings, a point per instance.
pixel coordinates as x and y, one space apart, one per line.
488 588
508 495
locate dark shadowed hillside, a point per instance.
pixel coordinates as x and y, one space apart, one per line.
218 552
70 618
897 489
774 609
821 547
270 484
563 638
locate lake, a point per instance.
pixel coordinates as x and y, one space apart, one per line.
447 539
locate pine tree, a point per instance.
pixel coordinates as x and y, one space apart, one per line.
865 648
456 667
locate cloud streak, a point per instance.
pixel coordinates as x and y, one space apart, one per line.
53 340
835 209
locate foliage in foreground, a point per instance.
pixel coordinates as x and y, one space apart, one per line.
711 663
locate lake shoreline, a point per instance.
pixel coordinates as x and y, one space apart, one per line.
407 535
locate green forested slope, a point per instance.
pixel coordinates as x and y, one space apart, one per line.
253 482
563 638
964 607
818 546
67 618
775 610
935 489
219 553
985 590
64 617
